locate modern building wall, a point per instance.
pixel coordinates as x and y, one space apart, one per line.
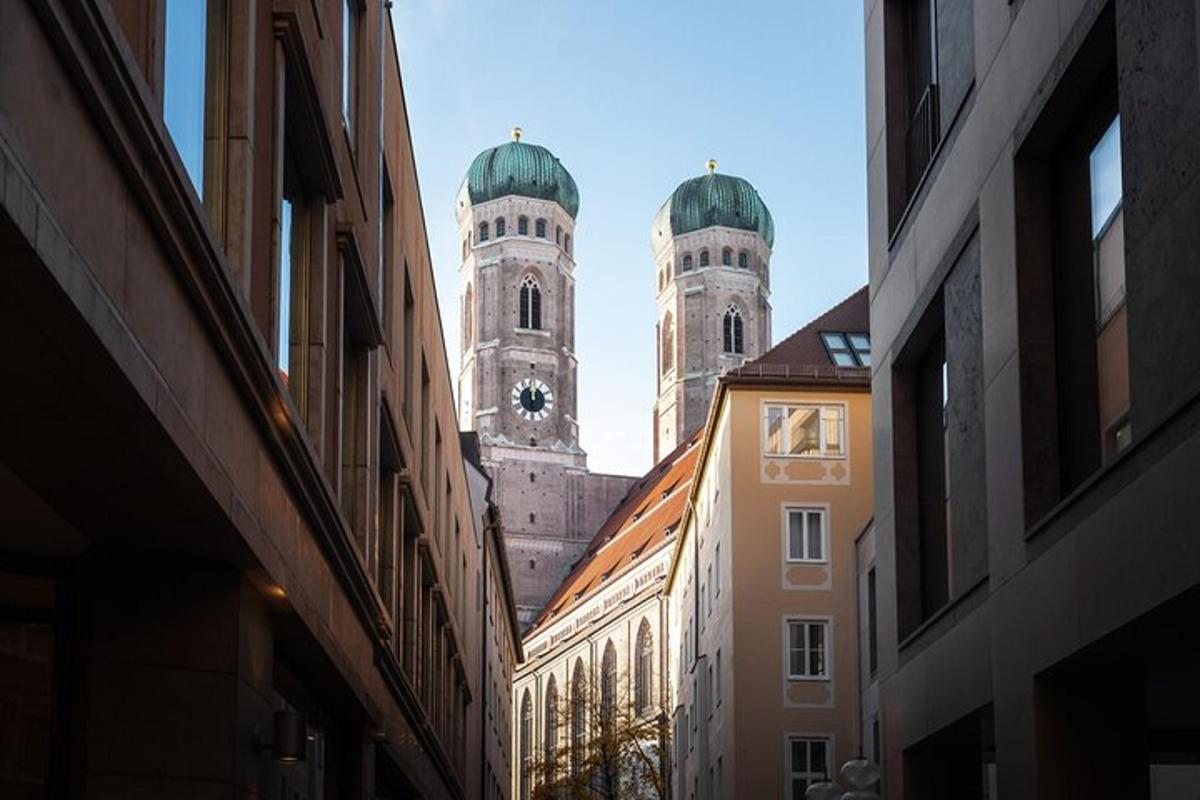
216 516
736 589
1033 584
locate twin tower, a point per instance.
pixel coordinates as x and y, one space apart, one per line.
516 215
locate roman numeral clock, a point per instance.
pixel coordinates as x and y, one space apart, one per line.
532 399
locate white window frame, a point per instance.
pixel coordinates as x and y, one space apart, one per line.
822 408
792 774
790 509
824 622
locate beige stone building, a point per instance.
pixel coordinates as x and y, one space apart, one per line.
603 629
762 587
712 244
517 386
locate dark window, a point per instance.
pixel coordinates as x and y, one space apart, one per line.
668 343
550 734
744 259
578 717
499 227
704 258
387 245
523 226
525 745
540 229
1072 320
732 330
567 242
483 231
558 234
530 311
727 257
872 636
687 262
956 763
643 678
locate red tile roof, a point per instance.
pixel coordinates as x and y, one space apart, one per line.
645 521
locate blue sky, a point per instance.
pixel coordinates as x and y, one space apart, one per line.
633 97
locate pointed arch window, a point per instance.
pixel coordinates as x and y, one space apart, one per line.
530 310
483 231
558 234
732 327
726 257
608 684
643 669
687 262
567 243
525 743
668 343
539 229
578 719
550 737
468 306
704 258
499 227
522 226
744 260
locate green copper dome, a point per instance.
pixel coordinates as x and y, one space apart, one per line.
716 199
521 169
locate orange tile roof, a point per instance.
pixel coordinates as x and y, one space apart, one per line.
643 522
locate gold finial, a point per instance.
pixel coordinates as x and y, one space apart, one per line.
712 166
516 133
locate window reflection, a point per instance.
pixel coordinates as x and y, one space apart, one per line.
184 83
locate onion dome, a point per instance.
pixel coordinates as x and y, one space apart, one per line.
527 170
716 199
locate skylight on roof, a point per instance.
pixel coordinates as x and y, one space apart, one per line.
848 349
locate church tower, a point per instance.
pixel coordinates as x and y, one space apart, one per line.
517 388
712 244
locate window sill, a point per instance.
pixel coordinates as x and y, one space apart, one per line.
533 331
823 562
809 678
800 457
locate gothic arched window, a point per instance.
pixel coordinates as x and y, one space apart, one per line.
483 231
530 310
744 259
687 262
726 256
643 669
704 258
466 247
550 737
608 683
567 243
525 744
578 718
668 343
522 226
499 227
468 305
733 330
539 229
558 234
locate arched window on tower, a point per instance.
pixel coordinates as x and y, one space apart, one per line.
525 743
550 735
687 263
468 306
726 257
567 243
608 685
558 234
539 229
499 227
744 259
669 273
522 226
578 717
704 257
668 343
643 669
483 231
733 331
466 248
530 305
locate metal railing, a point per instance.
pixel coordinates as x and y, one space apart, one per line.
921 139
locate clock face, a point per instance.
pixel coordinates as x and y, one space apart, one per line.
532 399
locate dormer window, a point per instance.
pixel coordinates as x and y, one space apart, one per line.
848 349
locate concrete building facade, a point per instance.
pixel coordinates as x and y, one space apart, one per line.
1033 185
238 553
762 588
517 387
712 244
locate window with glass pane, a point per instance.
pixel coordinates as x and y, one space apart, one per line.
284 315
775 443
806 534
349 60
804 430
848 349
291 317
184 83
811 431
808 764
861 343
806 649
